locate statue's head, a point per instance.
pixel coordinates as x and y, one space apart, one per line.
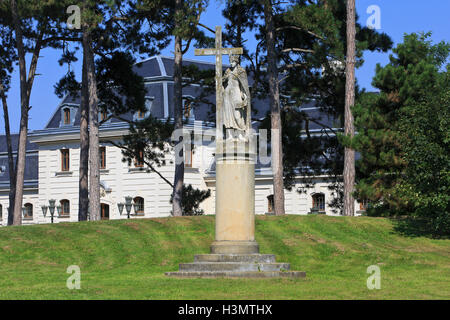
234 59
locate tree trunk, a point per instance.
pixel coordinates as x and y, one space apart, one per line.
349 129
178 114
276 142
83 196
21 149
12 171
94 160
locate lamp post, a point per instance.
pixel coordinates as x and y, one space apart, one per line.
120 205
44 210
51 208
128 206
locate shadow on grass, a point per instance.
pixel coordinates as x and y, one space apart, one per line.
414 227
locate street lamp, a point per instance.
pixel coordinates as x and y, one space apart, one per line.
44 209
120 205
128 206
51 209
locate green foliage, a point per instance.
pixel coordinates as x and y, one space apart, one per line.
311 42
403 134
191 200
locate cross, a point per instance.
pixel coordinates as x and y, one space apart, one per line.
218 51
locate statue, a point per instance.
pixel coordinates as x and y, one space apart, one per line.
236 100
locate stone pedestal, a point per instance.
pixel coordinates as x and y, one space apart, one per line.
235 204
235 253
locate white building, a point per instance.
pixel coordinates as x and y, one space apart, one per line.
52 166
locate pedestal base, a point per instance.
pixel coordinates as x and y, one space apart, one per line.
235 247
235 266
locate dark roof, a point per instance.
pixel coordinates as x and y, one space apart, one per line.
152 70
158 73
31 162
14 143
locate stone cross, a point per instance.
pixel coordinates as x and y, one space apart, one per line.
218 51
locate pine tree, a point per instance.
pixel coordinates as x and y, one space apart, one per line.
403 134
275 110
349 128
36 25
7 57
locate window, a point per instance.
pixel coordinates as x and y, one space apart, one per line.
318 202
65 160
28 211
141 114
363 205
65 207
104 211
188 109
67 116
102 157
139 161
103 115
270 204
188 158
1 212
138 205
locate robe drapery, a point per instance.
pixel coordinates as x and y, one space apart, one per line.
236 100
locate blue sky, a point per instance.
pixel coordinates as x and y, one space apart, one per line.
397 18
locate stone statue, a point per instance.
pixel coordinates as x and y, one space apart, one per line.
236 99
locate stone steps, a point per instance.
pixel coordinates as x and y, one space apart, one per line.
237 274
235 265
252 258
232 266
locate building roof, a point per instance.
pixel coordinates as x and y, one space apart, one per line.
158 74
31 162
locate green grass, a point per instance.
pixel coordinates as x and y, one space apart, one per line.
126 259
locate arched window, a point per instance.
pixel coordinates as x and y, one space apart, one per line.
270 203
104 211
65 207
28 211
138 205
66 115
318 202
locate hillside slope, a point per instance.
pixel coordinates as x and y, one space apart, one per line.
126 259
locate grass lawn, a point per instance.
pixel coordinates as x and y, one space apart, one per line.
126 259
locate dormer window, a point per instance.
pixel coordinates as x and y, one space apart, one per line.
66 113
140 115
103 115
188 108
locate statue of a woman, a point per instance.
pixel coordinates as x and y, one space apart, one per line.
236 98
